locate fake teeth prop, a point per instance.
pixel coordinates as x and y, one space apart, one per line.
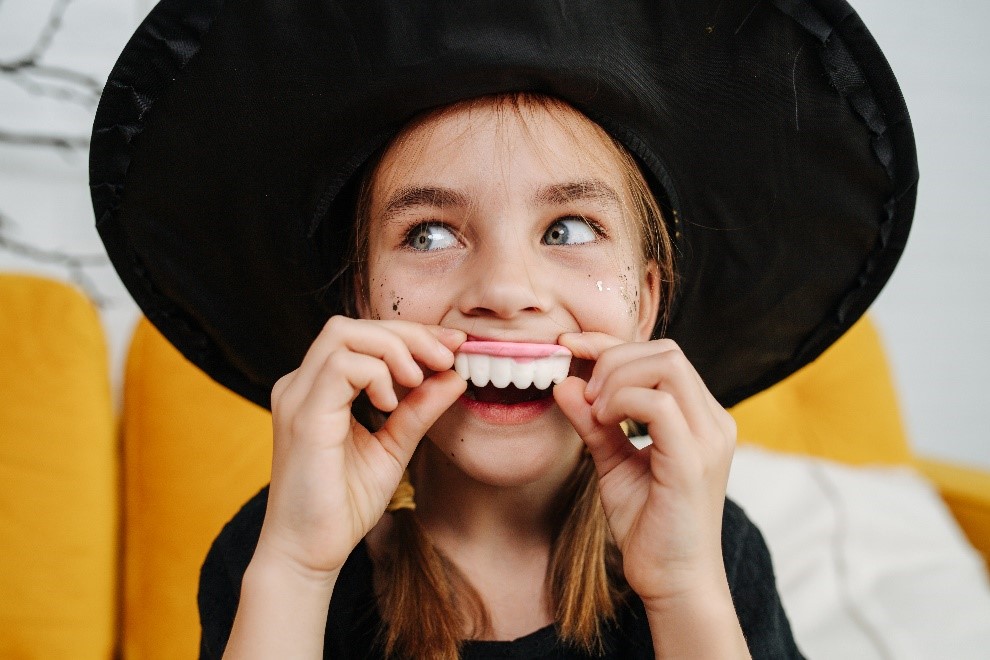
501 363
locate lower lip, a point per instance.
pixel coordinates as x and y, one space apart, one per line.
500 413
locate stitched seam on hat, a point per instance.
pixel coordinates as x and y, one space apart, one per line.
847 77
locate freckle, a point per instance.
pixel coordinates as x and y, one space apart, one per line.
462 439
395 306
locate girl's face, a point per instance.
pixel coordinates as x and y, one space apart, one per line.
511 224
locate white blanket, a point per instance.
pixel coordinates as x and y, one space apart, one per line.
869 561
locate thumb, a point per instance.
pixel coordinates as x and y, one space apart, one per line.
417 412
608 445
588 345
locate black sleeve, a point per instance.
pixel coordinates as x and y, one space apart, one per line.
754 589
353 621
221 575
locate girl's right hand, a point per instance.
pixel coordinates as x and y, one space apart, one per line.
332 478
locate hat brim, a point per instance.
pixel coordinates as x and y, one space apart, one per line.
774 134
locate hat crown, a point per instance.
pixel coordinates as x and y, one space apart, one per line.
772 133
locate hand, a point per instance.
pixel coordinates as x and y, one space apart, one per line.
331 477
663 502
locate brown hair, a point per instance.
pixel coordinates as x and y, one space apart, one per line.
426 603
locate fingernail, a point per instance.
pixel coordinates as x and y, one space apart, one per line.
592 388
450 333
444 351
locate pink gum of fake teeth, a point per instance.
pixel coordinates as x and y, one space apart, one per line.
501 363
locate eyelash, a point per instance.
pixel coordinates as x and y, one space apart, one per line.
416 226
411 230
595 227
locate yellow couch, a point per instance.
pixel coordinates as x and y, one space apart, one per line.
186 453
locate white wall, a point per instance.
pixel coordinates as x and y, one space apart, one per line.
935 314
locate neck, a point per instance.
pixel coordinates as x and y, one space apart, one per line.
498 535
459 512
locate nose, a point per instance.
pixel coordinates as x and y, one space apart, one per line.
504 283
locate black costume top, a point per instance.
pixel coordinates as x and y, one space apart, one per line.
353 619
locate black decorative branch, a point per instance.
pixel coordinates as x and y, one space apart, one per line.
64 85
40 140
56 82
44 40
75 264
60 83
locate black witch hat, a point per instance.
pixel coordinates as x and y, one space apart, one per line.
772 132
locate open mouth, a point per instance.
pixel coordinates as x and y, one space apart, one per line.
505 396
509 373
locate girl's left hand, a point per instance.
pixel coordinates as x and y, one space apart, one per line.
663 502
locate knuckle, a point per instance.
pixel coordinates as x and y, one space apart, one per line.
601 367
338 361
280 386
336 324
675 360
667 344
663 399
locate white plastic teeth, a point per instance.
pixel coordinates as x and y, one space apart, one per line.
483 369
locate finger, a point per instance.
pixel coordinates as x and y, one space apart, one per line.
623 354
400 344
588 345
669 371
608 445
369 338
667 425
435 358
430 345
449 337
410 421
345 374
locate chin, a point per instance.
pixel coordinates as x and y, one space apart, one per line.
506 455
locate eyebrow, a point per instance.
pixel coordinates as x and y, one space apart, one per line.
564 193
557 194
411 197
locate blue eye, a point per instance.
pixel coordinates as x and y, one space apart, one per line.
569 231
430 236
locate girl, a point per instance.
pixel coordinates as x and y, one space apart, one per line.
440 240
505 219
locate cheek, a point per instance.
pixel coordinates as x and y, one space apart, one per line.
391 296
611 298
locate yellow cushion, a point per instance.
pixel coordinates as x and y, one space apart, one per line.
967 492
193 454
842 406
58 467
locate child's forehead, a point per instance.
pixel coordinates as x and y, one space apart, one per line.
540 144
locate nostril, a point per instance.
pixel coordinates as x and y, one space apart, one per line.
502 297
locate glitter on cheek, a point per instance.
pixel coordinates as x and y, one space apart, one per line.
630 295
396 299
